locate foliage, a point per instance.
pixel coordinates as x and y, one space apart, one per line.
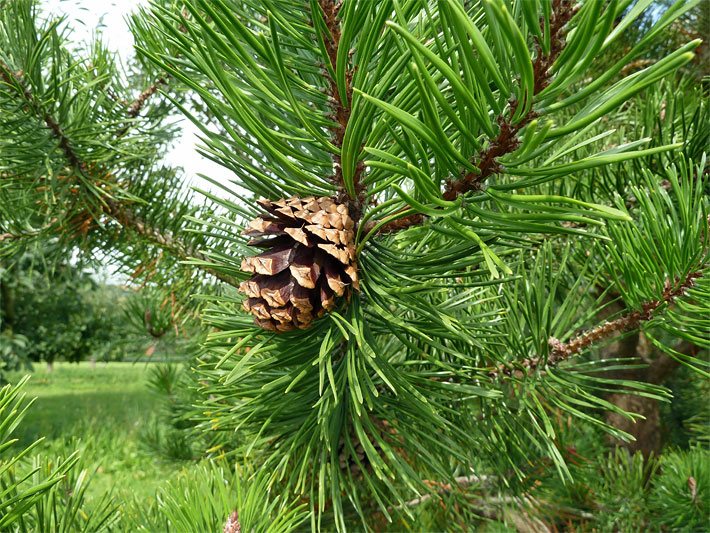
611 491
150 321
688 417
615 491
521 198
680 496
60 310
608 488
52 312
672 240
13 352
105 175
45 495
433 94
201 498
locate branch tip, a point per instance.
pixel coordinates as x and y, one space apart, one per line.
561 351
507 140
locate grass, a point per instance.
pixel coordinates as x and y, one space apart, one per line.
101 412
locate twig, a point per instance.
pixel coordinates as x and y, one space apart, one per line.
14 236
492 506
7 236
629 321
443 488
137 106
128 219
561 351
341 110
12 78
15 78
507 139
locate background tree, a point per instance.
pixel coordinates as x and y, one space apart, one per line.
50 309
465 204
54 310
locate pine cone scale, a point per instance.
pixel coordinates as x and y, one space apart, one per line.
299 235
269 263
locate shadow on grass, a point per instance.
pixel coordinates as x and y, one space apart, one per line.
103 413
59 415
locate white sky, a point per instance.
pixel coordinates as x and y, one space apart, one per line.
108 17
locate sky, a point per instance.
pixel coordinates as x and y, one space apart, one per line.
108 16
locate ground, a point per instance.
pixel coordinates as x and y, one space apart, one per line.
102 412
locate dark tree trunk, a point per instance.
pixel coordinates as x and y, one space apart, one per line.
647 431
7 306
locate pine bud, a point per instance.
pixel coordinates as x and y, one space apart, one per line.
232 525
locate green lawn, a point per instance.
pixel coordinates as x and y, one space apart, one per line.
101 412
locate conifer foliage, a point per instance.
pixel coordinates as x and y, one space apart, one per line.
440 212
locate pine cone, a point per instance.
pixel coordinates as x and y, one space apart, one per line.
309 260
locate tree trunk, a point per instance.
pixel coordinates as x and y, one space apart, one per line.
7 306
647 431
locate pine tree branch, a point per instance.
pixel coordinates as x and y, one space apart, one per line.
507 140
114 209
443 488
15 79
340 110
135 108
561 351
166 241
137 105
491 507
7 236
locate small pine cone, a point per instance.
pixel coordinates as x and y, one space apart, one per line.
309 260
232 525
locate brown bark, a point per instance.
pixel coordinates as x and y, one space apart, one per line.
647 432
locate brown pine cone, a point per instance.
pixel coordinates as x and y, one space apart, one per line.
309 260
